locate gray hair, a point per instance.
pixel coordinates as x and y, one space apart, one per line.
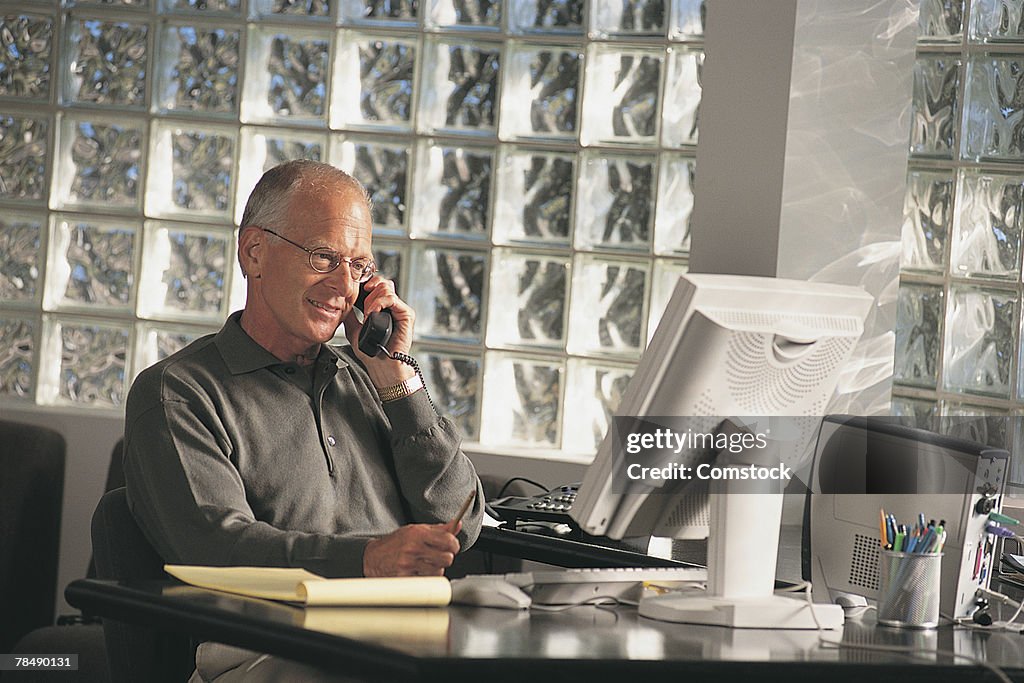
270 200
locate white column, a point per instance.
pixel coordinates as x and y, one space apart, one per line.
801 162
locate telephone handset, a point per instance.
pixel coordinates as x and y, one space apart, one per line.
377 327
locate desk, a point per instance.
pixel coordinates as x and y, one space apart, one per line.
581 644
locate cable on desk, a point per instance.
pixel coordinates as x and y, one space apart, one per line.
1004 625
602 602
910 651
504 487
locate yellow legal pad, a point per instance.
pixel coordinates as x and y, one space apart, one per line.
299 585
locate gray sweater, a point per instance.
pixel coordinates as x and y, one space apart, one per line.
233 457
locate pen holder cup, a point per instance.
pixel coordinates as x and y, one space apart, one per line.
908 592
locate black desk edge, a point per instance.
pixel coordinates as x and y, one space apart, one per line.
109 599
563 552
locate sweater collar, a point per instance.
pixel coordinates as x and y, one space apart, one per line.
242 354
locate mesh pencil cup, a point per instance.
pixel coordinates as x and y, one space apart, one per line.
909 585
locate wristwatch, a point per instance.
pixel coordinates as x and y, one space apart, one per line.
400 390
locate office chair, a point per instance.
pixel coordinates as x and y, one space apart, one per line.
31 500
78 633
134 652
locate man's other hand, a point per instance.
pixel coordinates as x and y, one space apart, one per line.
412 550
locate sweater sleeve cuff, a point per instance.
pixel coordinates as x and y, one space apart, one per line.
410 416
345 559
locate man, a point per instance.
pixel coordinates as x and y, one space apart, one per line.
260 445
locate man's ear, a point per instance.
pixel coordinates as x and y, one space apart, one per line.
250 251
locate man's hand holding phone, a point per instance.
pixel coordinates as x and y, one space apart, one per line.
381 296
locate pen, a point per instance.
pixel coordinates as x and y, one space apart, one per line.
882 528
462 511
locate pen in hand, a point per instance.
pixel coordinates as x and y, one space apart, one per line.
453 525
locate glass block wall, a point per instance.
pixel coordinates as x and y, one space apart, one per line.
530 164
959 334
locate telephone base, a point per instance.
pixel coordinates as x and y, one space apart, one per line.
770 612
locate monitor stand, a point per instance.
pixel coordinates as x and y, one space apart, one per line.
742 554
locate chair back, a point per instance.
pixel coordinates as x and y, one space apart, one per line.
122 552
31 499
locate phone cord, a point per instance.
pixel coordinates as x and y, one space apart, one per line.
411 362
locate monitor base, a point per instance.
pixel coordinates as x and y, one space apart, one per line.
772 611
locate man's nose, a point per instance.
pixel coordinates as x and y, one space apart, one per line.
341 280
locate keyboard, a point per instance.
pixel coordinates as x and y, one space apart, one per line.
572 586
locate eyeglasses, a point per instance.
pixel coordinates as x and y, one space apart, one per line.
324 260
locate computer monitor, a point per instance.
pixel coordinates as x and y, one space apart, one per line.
727 347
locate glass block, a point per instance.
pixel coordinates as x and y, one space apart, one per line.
981 424
666 276
24 144
522 400
373 82
99 162
452 190
919 412
996 21
994 110
540 94
83 363
464 14
594 390
21 245
919 315
228 7
528 299
264 148
608 311
237 290
980 341
156 341
615 201
686 21
26 45
627 17
683 91
286 75
534 196
927 220
546 16
446 289
307 10
987 229
383 169
459 86
622 95
941 21
390 258
676 177
17 357
386 12
107 62
198 70
91 264
934 105
128 4
184 272
191 170
454 383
